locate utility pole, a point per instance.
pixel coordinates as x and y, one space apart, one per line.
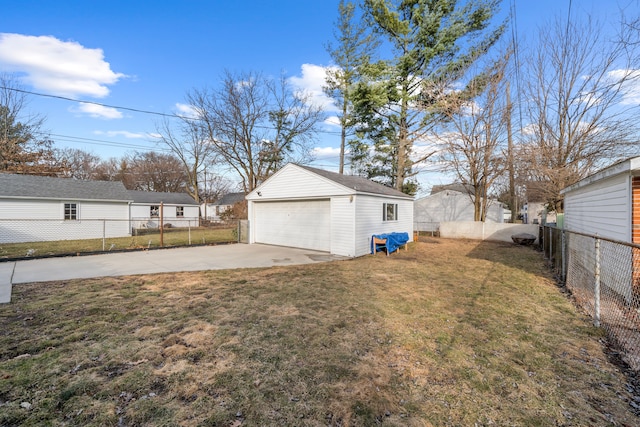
205 194
510 166
161 224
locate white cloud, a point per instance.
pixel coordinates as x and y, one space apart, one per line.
58 67
631 88
97 111
326 153
332 121
187 111
311 82
124 133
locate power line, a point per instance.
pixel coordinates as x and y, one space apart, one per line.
89 102
136 110
92 141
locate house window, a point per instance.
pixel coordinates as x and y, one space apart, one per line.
179 210
389 212
154 211
70 211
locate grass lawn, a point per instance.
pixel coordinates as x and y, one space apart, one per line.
150 239
448 333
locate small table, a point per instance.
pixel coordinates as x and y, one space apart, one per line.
390 242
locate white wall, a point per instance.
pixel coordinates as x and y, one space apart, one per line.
43 220
603 208
368 217
477 230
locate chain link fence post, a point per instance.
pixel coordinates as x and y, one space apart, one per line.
563 244
596 291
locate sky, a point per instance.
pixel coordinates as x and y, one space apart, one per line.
140 56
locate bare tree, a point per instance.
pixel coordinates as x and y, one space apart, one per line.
24 146
472 150
192 147
579 108
77 164
255 124
152 171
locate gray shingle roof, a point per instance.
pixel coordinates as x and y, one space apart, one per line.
157 197
44 187
358 183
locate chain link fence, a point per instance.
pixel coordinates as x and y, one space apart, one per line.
20 238
603 275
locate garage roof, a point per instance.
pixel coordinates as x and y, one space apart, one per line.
358 183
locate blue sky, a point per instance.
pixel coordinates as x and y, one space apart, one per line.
146 55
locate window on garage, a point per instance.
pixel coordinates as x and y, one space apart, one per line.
389 211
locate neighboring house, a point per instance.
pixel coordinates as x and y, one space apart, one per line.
450 206
225 203
606 203
178 209
38 208
310 208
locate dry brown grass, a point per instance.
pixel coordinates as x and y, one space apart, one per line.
453 333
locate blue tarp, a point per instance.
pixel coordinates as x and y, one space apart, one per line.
394 241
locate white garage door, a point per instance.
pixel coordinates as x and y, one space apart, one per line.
301 224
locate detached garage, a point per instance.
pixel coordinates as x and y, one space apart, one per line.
606 203
311 208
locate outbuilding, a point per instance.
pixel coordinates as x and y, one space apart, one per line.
176 209
606 203
305 207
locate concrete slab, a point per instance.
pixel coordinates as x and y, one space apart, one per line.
163 261
6 273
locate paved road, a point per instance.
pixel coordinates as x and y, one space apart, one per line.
154 261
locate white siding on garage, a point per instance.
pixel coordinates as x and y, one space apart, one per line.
343 226
293 183
602 208
369 220
301 223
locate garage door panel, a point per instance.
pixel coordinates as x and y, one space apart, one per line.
302 224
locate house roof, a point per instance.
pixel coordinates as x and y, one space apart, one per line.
45 187
230 199
456 186
357 183
151 197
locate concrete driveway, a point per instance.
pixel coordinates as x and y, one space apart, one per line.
154 261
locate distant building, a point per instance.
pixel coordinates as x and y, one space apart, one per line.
446 205
213 211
